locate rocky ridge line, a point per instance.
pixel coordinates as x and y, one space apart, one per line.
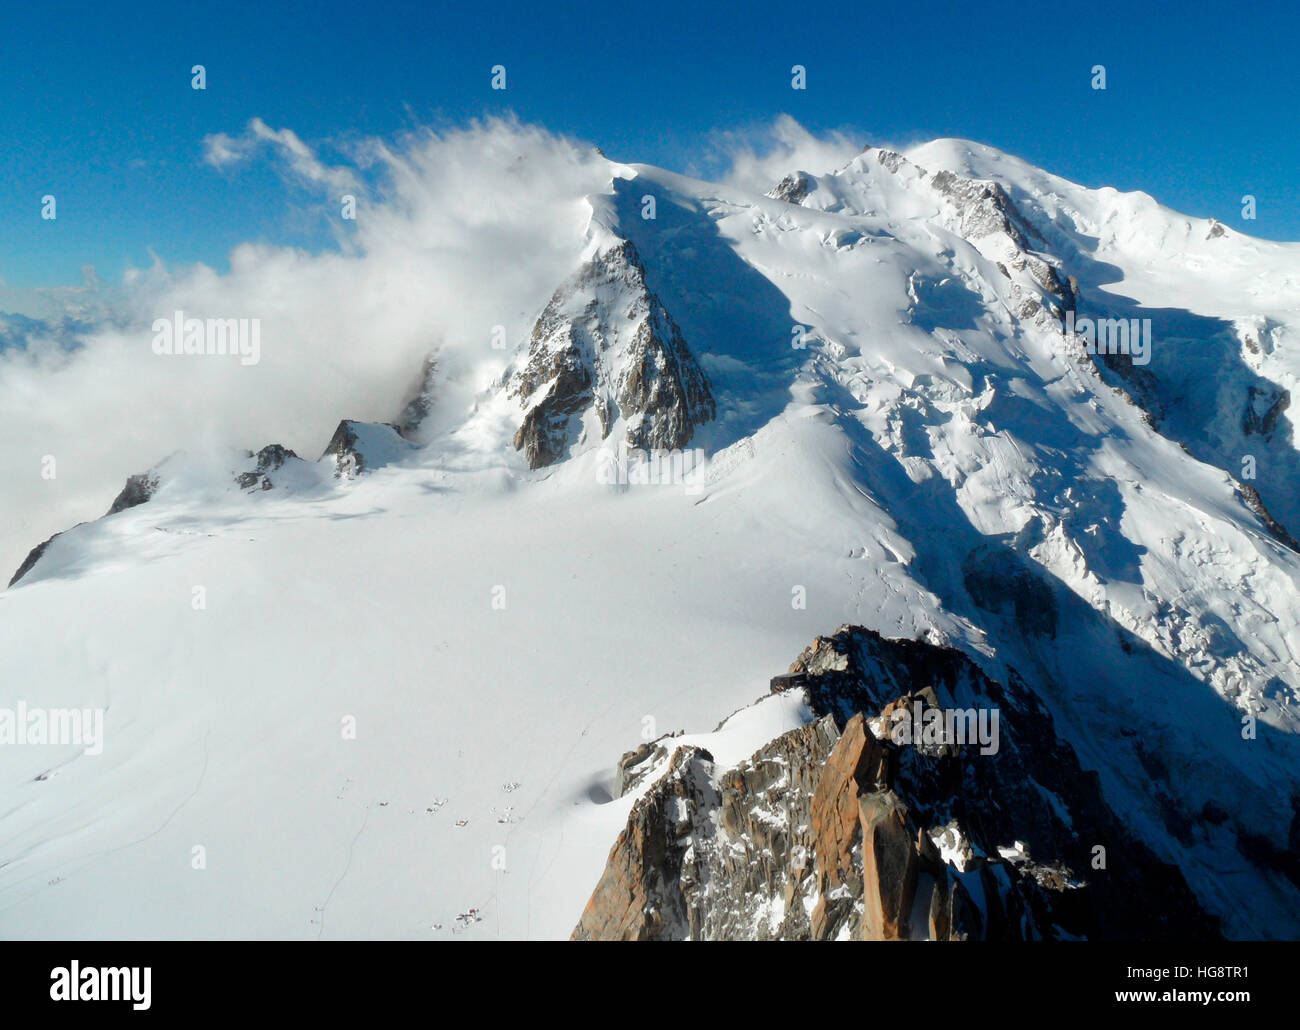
836 830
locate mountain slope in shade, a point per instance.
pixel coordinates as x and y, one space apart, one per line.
395 711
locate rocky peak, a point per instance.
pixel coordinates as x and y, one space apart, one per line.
355 447
606 354
358 446
792 189
137 491
269 459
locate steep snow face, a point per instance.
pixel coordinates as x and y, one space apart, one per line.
1223 307
395 672
948 351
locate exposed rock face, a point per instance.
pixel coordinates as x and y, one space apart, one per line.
420 401
642 895
548 424
1263 409
269 458
985 208
851 771
792 189
889 868
358 446
606 350
866 825
890 159
1250 497
749 826
33 556
137 491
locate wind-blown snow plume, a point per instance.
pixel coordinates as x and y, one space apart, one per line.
456 234
755 161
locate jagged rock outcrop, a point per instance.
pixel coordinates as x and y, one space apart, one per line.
1263 410
985 209
1251 499
354 447
641 895
269 459
420 400
606 351
986 213
636 764
33 556
358 446
888 818
138 490
792 189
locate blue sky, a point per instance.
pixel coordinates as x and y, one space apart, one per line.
1200 107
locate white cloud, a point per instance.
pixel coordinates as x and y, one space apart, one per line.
758 160
299 160
220 149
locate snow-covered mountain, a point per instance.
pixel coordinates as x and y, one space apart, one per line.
384 693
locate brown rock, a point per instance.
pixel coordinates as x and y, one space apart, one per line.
889 865
640 894
835 825
939 909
